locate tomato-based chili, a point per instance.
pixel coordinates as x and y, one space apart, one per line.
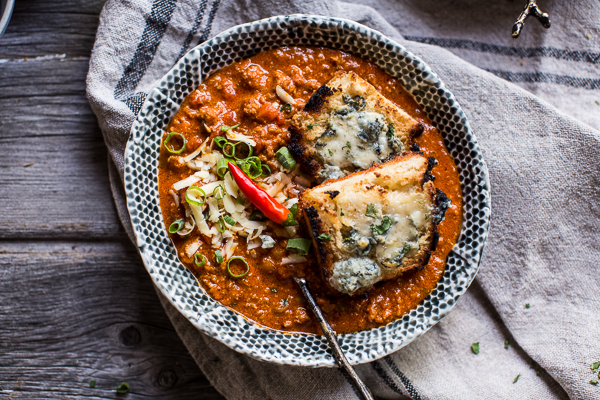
243 96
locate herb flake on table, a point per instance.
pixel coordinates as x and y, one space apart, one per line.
92 384
595 366
475 348
517 378
527 305
123 388
594 382
506 344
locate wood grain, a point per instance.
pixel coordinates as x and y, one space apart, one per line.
76 304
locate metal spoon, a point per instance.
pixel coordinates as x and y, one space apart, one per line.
361 389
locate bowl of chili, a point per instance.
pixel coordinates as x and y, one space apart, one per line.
181 287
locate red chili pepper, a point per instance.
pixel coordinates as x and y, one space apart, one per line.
261 199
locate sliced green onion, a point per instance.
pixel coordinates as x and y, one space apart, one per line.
249 151
262 168
225 128
242 260
257 216
286 108
221 225
170 150
176 226
285 158
222 166
299 245
218 256
240 200
123 388
231 147
220 141
192 198
219 192
230 221
291 218
200 263
251 166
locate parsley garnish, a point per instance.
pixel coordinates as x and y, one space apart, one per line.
475 347
371 211
426 216
286 108
341 213
594 382
285 302
324 236
386 223
330 152
274 290
348 145
123 388
310 126
595 366
92 384
391 130
527 305
506 344
347 239
597 102
517 378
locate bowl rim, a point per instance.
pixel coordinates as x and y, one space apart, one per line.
5 15
170 292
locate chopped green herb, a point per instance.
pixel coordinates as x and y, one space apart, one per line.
226 128
310 126
324 236
506 344
330 152
597 102
371 211
527 305
230 221
341 213
426 216
285 158
594 382
329 125
475 348
285 302
123 388
92 384
595 366
274 290
517 378
218 256
538 372
286 108
391 130
348 145
347 239
385 225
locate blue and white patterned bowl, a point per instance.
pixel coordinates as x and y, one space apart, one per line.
180 286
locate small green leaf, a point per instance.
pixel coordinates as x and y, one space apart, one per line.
285 302
595 366
594 382
92 384
527 305
391 130
426 216
506 344
274 290
386 223
597 102
517 378
324 236
123 388
475 347
341 213
286 108
348 145
330 152
371 211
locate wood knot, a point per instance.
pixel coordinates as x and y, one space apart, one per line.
166 378
130 336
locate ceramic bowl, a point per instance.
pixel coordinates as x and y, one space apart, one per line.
228 326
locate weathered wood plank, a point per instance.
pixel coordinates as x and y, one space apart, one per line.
73 312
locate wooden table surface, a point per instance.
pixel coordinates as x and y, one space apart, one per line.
76 303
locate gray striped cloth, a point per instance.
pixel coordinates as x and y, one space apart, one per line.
534 104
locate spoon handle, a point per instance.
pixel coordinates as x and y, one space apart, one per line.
361 389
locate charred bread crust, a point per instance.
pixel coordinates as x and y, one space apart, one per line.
442 203
316 101
324 254
301 153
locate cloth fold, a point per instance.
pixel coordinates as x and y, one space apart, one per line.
542 249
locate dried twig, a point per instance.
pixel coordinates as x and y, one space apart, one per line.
530 9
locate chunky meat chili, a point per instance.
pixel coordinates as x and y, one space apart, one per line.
241 100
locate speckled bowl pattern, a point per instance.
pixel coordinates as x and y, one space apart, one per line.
180 286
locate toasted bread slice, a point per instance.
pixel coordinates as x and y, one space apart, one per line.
375 224
347 125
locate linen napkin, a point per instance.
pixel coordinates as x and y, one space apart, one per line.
534 106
